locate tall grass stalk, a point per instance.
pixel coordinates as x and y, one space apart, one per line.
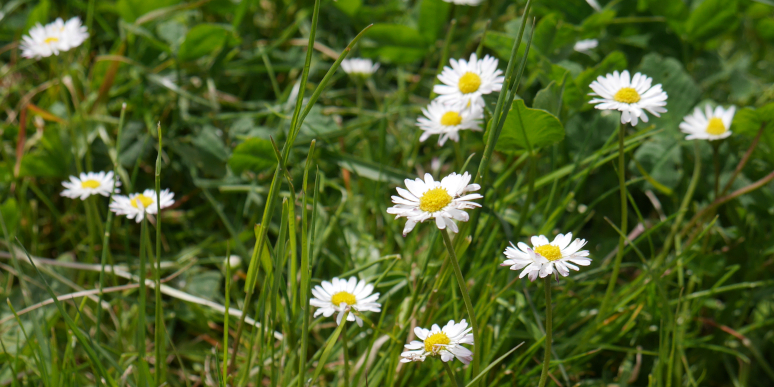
160 341
549 333
140 326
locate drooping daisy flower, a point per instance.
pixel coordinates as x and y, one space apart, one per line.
359 67
562 254
710 125
341 295
585 46
87 184
136 205
443 200
464 2
53 38
446 342
447 121
465 82
629 95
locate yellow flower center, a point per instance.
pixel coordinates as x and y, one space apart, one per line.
435 339
434 200
550 252
144 200
716 127
340 297
90 184
627 95
52 39
451 119
469 82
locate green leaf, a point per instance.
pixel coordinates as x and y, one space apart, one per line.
395 44
255 154
711 18
204 39
39 14
51 158
552 33
550 98
677 83
433 17
130 10
542 129
349 7
10 211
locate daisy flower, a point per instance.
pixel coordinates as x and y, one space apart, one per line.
443 200
629 95
465 82
87 184
585 46
53 38
446 341
359 67
341 295
136 205
562 254
447 121
710 125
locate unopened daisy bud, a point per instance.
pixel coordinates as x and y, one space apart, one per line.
342 295
710 125
234 262
629 95
585 46
136 205
87 184
444 201
466 82
544 258
445 342
359 67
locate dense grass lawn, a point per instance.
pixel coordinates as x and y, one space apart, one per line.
387 193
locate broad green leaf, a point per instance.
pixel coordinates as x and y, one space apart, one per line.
202 40
130 10
677 83
39 14
433 18
711 18
550 98
395 43
255 154
349 7
669 8
552 34
542 129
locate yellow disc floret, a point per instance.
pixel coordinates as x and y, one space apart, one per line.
142 199
345 297
627 95
90 184
550 252
716 127
435 341
451 119
469 82
52 39
434 200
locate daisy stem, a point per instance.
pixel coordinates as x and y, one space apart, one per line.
141 312
465 296
549 331
450 371
346 355
159 318
624 208
716 161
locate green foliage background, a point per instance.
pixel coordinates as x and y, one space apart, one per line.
219 77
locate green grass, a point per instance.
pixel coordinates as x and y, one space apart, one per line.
276 155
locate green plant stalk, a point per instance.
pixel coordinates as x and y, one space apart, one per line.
624 214
305 272
549 331
450 372
108 225
344 348
159 320
477 344
141 312
225 319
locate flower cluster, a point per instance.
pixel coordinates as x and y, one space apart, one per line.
53 38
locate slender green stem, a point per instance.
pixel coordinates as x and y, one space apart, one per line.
141 312
624 214
225 320
450 372
345 348
159 320
465 296
549 331
716 161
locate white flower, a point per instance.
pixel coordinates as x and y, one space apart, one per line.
358 66
442 200
446 342
341 295
87 184
234 262
630 96
53 38
710 125
136 205
465 82
464 2
586 45
562 254
447 121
